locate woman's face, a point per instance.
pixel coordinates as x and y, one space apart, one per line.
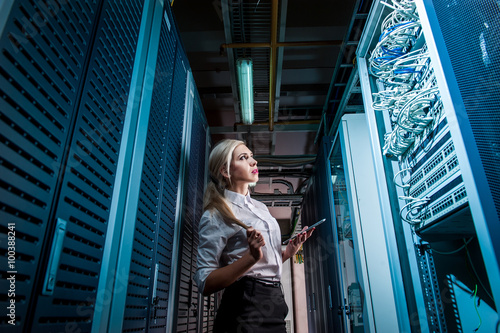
243 167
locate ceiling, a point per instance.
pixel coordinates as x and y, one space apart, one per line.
304 79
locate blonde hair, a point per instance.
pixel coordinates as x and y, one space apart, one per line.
220 158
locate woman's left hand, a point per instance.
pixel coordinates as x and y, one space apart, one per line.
294 245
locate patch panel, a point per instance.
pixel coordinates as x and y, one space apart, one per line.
439 175
451 197
435 160
424 75
434 139
428 78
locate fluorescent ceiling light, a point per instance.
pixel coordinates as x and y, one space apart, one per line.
244 69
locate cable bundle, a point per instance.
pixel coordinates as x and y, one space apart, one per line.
397 142
414 211
395 43
414 116
400 67
407 6
399 32
400 62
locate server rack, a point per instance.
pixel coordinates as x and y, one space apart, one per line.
62 121
350 286
369 283
428 178
99 119
321 263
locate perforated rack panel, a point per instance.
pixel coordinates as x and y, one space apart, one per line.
153 238
165 229
208 313
65 76
89 172
195 185
472 40
41 71
433 292
174 138
61 123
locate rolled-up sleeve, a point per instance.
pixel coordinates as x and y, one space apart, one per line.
212 240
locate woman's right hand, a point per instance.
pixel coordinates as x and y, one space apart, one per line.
255 242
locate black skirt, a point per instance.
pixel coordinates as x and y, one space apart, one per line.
251 306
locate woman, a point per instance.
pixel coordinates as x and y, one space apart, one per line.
240 246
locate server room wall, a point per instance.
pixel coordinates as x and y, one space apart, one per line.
99 120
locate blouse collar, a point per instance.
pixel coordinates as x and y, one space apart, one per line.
237 198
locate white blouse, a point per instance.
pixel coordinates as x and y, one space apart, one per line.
221 243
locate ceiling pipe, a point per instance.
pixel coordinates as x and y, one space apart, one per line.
244 45
273 45
285 182
283 44
288 173
289 122
277 197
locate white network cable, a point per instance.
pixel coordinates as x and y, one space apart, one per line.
398 141
404 186
389 99
408 92
415 210
414 114
397 67
401 5
411 116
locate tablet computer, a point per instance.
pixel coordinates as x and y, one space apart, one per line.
312 226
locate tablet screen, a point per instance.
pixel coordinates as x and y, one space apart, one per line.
313 226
